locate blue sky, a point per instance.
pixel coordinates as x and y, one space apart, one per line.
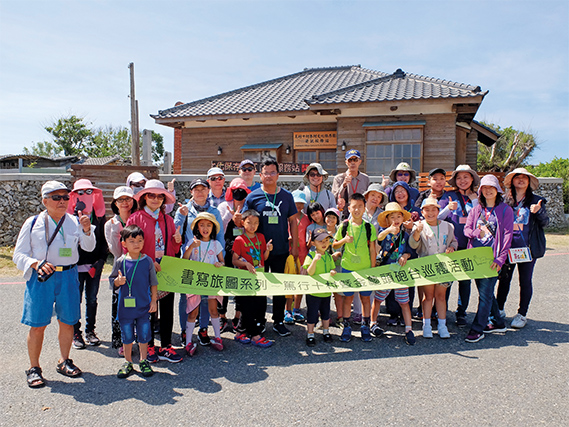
71 57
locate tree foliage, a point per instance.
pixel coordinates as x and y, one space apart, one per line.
510 151
109 141
71 134
44 149
558 168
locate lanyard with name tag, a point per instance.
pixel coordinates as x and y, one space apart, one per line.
130 301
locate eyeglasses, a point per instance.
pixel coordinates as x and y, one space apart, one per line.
403 173
154 196
58 197
138 184
81 192
314 175
353 159
273 173
216 178
247 169
124 200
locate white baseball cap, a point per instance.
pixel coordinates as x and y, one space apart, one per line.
51 186
214 171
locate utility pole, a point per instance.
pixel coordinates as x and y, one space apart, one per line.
135 137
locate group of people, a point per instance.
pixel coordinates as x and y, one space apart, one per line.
264 227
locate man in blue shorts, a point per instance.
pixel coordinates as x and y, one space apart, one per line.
47 252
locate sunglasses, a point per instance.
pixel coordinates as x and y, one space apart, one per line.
124 200
58 197
154 196
138 184
314 175
216 178
239 194
270 173
247 169
353 159
81 192
403 173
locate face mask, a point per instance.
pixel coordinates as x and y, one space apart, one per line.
84 204
136 190
239 194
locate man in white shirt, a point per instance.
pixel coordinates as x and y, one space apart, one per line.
57 263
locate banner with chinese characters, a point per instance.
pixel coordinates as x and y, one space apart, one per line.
192 277
315 140
285 168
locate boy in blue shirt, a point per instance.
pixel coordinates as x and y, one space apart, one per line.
137 299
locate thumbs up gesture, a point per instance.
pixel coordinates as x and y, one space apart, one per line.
535 208
183 209
177 235
120 280
270 245
384 181
452 204
85 222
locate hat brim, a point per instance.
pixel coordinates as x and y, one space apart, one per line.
320 170
384 196
473 174
209 217
168 197
393 175
533 181
382 217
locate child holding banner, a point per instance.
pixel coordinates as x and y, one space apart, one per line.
318 262
358 238
394 248
204 248
137 299
250 253
428 243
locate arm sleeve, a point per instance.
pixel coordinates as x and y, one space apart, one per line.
152 273
452 242
87 243
112 235
541 216
170 207
238 247
470 230
220 234
115 272
23 251
337 185
179 219
507 236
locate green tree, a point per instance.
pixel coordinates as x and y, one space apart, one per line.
510 151
71 134
44 149
157 147
109 141
558 168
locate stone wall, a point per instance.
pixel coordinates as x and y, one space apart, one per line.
21 197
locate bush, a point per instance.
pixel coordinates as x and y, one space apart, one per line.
558 168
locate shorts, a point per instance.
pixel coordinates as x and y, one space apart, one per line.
445 284
143 330
61 289
401 295
193 301
349 294
315 305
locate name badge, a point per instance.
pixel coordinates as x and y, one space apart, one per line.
65 252
237 232
356 259
518 255
273 220
462 220
129 302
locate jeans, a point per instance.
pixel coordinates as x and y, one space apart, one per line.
525 273
463 297
487 305
91 287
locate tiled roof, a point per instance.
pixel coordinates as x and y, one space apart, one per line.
101 160
296 92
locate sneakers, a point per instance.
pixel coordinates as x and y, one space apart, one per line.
288 319
92 338
346 334
519 321
376 330
183 337
357 320
503 314
365 333
327 338
168 353
203 337
298 317
460 321
125 370
443 332
491 328
281 329
217 344
145 368
78 341
262 342
226 325
392 321
418 314
474 336
152 357
191 348
242 338
410 338
427 331
310 341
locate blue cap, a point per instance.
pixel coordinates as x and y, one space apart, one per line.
353 153
299 196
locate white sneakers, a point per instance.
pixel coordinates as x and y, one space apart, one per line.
427 331
519 321
443 332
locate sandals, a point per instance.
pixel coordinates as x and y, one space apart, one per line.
35 378
68 369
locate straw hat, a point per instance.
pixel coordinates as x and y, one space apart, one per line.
389 209
403 166
209 217
464 168
533 181
157 187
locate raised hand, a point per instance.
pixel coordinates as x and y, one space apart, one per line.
270 245
84 221
419 226
120 280
183 209
347 179
317 256
177 235
171 186
394 229
452 204
195 244
341 204
384 181
348 239
535 208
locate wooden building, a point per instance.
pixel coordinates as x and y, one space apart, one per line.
319 113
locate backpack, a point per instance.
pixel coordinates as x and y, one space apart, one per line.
344 229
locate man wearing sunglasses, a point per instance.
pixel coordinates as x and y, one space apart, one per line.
247 172
58 260
314 178
350 182
216 179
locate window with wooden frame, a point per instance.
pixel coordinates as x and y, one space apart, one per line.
387 147
327 158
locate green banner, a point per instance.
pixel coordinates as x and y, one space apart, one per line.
192 277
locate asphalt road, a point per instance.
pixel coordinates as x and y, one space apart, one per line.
514 379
